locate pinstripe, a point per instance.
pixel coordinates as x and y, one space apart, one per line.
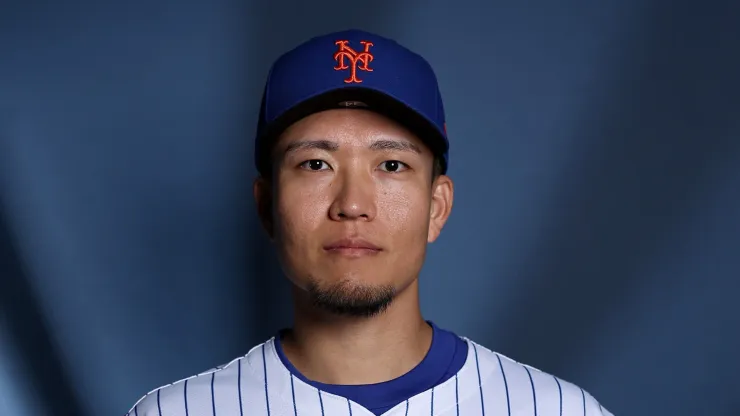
292 393
480 384
534 394
506 384
457 397
540 390
239 388
560 393
185 397
264 369
321 403
159 406
213 393
583 394
432 412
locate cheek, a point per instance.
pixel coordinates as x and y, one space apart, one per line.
300 209
406 211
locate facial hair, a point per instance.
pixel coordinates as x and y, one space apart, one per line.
351 299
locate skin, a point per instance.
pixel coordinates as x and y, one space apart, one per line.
343 180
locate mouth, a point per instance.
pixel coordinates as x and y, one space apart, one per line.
352 247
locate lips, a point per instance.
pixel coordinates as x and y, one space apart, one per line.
353 247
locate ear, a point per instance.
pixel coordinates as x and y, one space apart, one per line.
442 195
262 190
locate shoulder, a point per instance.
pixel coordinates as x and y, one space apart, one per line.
199 390
523 386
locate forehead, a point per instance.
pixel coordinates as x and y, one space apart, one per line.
348 127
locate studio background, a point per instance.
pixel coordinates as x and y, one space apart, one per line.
596 226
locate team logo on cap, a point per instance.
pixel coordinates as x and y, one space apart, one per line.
348 58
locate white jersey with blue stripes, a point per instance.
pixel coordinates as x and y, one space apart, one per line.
258 384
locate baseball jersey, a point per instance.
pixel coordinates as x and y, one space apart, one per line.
264 383
446 356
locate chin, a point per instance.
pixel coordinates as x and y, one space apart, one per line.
353 276
350 297
331 277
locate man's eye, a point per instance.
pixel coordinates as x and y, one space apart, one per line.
393 166
314 164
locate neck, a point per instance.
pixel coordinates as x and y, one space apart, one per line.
349 350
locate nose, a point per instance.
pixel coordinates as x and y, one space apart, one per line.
354 199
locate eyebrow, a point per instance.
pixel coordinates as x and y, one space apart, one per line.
402 146
330 146
312 144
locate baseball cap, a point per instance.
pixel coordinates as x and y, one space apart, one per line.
352 69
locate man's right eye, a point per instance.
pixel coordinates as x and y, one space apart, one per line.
314 164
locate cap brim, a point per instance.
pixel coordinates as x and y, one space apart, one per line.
372 99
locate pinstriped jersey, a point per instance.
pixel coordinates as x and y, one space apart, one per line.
260 384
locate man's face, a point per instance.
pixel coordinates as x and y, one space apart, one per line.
352 206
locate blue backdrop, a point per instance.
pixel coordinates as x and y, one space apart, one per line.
596 227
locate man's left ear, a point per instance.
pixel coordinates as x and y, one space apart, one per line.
442 195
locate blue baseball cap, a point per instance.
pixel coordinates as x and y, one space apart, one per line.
350 69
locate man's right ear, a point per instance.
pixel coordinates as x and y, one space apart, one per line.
262 190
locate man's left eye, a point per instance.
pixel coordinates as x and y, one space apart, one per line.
393 166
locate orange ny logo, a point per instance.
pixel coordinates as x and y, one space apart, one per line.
348 58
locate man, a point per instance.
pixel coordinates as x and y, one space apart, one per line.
352 150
